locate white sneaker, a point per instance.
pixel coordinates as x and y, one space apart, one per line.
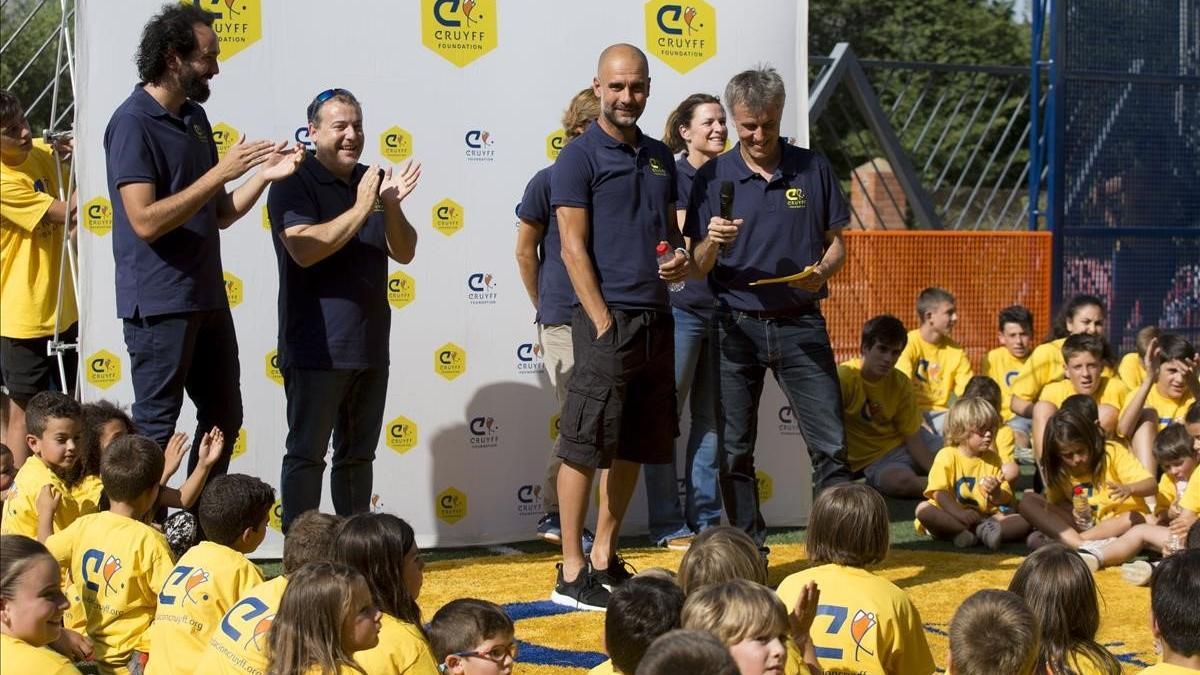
989 533
1092 552
1137 572
965 539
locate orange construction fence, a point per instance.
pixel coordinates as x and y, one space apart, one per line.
986 272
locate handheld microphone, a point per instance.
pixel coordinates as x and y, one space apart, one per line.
726 207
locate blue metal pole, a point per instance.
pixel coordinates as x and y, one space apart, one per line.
1055 131
1038 8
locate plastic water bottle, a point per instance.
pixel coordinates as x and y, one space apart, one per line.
1175 543
1082 510
665 254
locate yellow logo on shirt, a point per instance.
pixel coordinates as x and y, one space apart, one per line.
273 373
402 289
450 361
395 144
459 31
963 488
872 412
766 486
555 142
656 167
451 505
682 35
795 198
233 289
448 217
401 434
98 216
237 23
224 136
103 369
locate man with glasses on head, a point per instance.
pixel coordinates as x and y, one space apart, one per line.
169 205
335 224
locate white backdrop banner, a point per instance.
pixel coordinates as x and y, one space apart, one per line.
474 90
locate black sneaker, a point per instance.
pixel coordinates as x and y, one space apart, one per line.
583 593
549 528
617 573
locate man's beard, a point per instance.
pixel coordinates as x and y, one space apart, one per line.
195 87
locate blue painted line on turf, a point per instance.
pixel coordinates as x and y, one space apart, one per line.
1125 657
549 656
932 628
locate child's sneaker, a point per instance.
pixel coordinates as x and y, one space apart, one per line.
182 532
549 528
1137 572
990 534
583 593
617 573
965 539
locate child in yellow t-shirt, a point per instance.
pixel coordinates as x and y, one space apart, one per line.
864 623
1077 461
1083 355
1004 443
640 610
884 441
748 618
55 425
212 576
1059 589
34 221
966 485
1164 396
326 617
32 606
1131 369
992 631
938 365
238 646
118 562
1083 314
1003 363
1173 620
466 634
364 540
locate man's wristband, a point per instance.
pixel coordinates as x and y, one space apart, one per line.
687 254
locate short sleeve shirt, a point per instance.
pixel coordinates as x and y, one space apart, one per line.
181 270
629 193
556 296
785 222
696 296
333 314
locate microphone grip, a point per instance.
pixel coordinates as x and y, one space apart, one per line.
726 208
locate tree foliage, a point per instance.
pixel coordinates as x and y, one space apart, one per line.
33 86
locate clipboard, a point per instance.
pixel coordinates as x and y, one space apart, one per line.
806 272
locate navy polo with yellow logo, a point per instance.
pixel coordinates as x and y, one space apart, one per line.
556 296
786 220
333 314
696 297
630 194
181 270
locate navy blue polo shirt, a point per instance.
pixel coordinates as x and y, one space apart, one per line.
629 192
333 314
556 296
786 220
181 270
696 297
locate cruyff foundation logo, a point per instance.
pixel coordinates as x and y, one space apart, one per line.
451 505
860 626
766 486
682 35
103 369
237 23
795 198
224 136
401 434
198 577
395 144
448 217
98 216
233 289
450 361
459 31
401 289
555 142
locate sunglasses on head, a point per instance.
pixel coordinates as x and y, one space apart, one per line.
324 96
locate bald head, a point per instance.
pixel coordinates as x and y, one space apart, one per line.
625 54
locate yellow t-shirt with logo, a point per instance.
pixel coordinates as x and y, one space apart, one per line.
865 623
18 656
401 649
877 415
206 582
1111 392
239 644
1168 409
31 249
1131 371
20 509
1044 365
1169 669
119 564
956 473
1002 367
1191 496
1120 466
937 371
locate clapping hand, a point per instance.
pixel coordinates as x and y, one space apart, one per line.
176 448
396 186
283 161
211 446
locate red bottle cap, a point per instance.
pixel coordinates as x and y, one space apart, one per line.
1078 489
661 248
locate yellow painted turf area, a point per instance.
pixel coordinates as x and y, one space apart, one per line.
936 581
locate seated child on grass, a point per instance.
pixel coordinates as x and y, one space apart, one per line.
1083 314
938 365
695 652
1005 442
992 632
1168 391
473 637
326 617
1003 363
640 610
1084 358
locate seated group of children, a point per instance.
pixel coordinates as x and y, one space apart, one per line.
920 424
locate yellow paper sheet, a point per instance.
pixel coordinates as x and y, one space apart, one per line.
807 271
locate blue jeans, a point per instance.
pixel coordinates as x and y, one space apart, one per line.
194 353
347 404
796 349
695 371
